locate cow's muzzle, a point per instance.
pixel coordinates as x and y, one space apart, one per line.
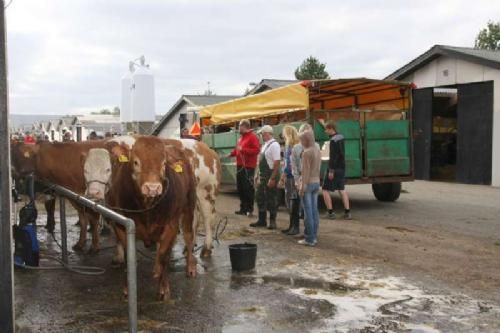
152 189
96 190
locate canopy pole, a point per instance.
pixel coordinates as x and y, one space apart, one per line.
6 267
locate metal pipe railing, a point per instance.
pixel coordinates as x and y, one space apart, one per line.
131 249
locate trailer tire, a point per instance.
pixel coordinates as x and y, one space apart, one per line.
387 192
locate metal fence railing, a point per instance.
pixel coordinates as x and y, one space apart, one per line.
115 217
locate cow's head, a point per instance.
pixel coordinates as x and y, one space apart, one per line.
97 172
148 160
23 158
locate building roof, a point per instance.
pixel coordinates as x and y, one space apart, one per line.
268 84
191 100
24 122
483 57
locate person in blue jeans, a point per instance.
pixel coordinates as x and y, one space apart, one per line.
309 187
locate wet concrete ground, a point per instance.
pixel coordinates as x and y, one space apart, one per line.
349 283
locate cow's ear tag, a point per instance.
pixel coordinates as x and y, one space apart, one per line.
122 159
178 167
27 154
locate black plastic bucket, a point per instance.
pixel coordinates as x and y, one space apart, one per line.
243 256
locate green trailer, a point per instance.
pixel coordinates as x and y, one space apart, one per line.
374 116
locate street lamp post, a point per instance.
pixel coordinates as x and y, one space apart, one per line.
6 265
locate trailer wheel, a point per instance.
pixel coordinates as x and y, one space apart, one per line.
387 192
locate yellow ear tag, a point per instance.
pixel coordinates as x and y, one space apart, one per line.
27 154
178 167
123 159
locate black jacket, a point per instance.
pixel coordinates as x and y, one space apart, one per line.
337 152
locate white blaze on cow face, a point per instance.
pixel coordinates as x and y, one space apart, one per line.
97 173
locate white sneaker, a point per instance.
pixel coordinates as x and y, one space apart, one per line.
306 243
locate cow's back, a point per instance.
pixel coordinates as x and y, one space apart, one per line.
205 161
61 163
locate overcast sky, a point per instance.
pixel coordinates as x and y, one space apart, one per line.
68 56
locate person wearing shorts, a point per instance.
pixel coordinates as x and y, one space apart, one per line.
334 179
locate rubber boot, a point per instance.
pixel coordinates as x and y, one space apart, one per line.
289 224
261 222
272 222
295 218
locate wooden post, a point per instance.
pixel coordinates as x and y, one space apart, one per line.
6 268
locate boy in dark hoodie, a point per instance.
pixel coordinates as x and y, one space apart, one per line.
335 177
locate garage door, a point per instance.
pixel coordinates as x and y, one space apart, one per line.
422 131
474 133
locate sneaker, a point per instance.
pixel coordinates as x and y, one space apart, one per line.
347 216
306 243
331 216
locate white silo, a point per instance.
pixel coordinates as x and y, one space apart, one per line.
143 94
126 98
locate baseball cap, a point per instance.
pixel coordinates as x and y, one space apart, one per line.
266 129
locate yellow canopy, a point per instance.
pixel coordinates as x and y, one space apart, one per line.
294 97
340 94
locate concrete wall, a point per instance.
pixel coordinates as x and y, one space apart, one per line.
448 71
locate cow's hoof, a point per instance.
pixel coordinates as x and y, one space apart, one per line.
93 251
125 293
164 295
206 252
116 263
191 269
78 247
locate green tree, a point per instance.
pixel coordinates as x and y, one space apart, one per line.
311 69
489 37
115 111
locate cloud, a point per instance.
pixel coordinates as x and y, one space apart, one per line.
69 56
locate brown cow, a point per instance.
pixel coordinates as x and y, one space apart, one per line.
206 167
155 186
61 163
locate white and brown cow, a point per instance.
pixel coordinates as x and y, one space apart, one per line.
207 171
60 163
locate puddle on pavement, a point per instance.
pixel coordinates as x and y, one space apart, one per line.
365 303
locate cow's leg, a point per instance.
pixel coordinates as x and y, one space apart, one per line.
121 239
50 207
207 208
80 245
164 248
94 221
187 232
119 257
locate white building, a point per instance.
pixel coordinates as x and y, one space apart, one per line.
456 112
169 125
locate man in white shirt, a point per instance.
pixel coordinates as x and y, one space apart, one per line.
267 178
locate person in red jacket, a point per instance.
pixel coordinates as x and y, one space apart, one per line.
29 139
246 152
